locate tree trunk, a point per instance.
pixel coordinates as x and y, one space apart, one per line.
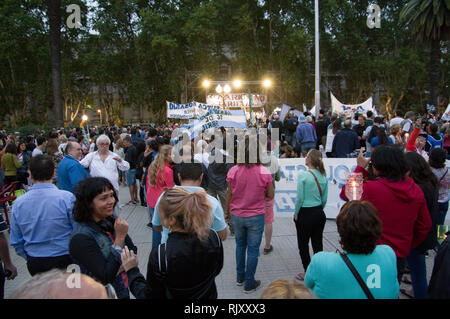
54 16
435 56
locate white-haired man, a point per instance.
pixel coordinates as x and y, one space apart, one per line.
60 284
104 163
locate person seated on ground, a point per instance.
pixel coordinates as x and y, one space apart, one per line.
359 229
185 266
59 284
286 289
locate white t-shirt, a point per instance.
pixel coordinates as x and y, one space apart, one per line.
36 152
395 120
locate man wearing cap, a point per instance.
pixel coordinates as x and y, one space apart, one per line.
306 136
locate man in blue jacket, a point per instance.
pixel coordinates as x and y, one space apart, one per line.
345 141
306 136
70 171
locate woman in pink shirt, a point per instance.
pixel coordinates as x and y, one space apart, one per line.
160 179
249 184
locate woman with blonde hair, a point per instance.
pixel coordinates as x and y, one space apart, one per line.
286 289
185 266
309 217
396 134
159 179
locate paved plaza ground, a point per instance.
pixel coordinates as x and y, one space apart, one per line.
283 262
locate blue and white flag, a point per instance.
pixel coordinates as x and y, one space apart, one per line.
202 108
284 111
217 118
180 111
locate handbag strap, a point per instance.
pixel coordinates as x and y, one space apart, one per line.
357 276
317 182
443 175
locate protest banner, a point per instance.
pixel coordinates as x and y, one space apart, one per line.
338 107
297 113
284 111
180 111
202 108
217 118
337 170
236 100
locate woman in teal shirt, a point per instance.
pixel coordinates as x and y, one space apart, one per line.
309 217
359 228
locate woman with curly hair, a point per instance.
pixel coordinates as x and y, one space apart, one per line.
359 228
98 236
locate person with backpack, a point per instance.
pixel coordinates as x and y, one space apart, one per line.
185 266
407 124
434 139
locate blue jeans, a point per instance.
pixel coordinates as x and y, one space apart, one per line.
305 147
156 235
288 138
443 207
294 141
248 233
416 263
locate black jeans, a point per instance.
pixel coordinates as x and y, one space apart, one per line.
401 265
310 224
2 281
37 265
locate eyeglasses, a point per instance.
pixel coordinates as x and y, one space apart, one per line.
104 144
110 292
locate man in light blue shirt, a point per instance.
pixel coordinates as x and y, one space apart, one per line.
190 177
70 171
41 220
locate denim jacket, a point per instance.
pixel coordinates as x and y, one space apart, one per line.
107 248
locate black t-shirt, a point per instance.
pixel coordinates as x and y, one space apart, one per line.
130 156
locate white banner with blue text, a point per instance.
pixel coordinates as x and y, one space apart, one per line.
337 170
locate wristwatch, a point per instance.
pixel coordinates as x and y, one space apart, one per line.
117 248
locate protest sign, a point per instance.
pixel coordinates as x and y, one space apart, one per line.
180 111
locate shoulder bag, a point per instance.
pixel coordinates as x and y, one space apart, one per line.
357 276
317 182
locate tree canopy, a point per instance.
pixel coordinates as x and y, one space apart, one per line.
137 54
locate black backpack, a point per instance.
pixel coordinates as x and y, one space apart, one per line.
439 287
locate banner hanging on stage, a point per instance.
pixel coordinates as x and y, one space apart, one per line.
236 100
338 107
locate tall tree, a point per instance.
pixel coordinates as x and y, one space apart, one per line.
54 17
429 21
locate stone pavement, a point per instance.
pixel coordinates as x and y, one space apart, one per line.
282 262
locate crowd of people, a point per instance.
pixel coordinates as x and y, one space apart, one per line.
69 211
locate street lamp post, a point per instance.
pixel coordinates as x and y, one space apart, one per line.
317 75
100 112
